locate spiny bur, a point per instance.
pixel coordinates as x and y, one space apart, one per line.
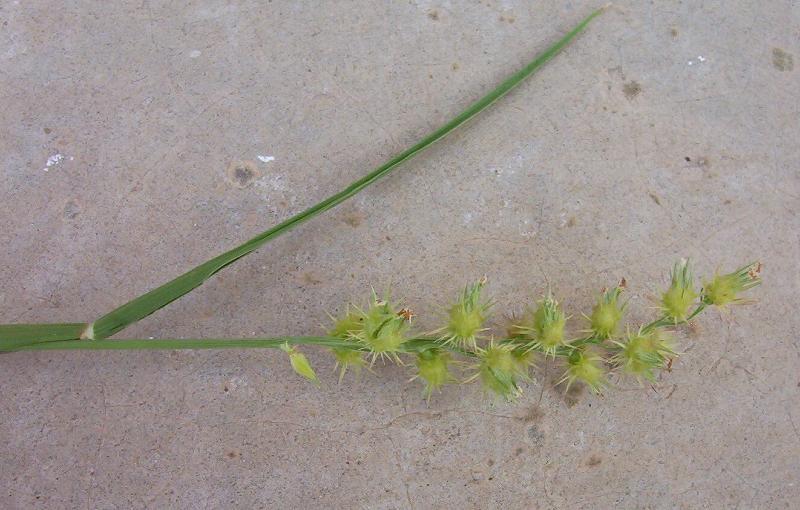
503 366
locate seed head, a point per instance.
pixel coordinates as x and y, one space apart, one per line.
432 367
607 314
680 295
499 369
383 329
542 328
466 318
724 289
644 352
585 368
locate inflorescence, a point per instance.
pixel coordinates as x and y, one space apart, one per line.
608 349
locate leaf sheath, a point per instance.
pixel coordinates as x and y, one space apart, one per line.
17 335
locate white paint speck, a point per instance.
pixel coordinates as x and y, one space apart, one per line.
700 60
53 160
195 53
467 218
265 159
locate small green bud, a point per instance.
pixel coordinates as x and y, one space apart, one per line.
499 370
724 289
432 367
383 329
677 300
606 314
548 325
543 328
643 353
466 318
347 326
346 358
300 363
582 367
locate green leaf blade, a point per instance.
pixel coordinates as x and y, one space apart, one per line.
150 302
13 336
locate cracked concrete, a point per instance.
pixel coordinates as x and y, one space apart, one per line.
669 129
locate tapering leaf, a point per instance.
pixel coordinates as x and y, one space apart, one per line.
152 301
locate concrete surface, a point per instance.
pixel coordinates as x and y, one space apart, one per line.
669 129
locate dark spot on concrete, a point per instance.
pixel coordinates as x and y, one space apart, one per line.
241 174
594 461
433 14
688 159
728 201
71 209
782 60
509 19
535 415
353 218
233 454
655 198
490 462
455 66
536 436
571 222
310 279
47 130
225 388
518 451
573 395
631 89
673 31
